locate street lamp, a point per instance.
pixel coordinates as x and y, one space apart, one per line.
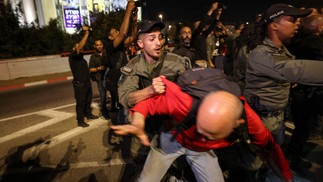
160 17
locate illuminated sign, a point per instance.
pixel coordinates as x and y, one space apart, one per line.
72 17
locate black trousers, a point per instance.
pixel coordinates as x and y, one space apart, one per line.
83 96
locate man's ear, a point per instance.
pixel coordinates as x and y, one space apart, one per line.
140 44
274 25
240 122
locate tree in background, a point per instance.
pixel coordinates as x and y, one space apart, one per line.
24 40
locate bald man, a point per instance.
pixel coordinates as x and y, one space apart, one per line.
217 120
219 113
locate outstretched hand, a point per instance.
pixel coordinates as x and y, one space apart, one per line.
132 129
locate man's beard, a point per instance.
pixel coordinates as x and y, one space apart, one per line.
187 42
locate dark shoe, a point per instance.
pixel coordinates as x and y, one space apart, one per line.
114 109
302 168
106 117
83 124
92 117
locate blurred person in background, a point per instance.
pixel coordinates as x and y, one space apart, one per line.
97 67
81 80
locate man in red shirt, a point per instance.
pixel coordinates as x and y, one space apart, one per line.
219 113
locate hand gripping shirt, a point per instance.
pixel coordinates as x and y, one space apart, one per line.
173 66
177 104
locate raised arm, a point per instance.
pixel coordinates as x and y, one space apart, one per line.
134 30
82 43
199 29
125 24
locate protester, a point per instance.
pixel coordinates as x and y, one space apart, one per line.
97 65
217 117
271 67
81 81
202 29
184 48
116 52
306 101
231 44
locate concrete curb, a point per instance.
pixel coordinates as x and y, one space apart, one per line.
53 80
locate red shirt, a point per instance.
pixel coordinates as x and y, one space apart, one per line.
175 103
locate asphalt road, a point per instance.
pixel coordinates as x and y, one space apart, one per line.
40 140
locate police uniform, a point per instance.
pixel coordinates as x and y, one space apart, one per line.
270 70
137 68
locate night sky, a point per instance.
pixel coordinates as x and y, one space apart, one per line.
237 10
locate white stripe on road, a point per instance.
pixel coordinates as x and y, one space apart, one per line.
32 113
57 117
74 132
112 162
34 151
35 83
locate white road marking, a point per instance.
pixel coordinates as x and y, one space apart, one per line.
57 116
112 162
34 151
32 113
35 83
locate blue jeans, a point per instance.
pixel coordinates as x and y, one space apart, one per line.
103 100
204 165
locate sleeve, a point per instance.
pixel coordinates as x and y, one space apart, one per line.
75 56
104 58
213 22
263 139
126 85
202 24
91 62
308 72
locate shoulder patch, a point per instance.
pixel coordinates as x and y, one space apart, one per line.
127 69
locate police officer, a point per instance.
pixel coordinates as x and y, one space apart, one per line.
271 68
134 85
135 82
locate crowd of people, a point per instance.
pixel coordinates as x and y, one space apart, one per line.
276 61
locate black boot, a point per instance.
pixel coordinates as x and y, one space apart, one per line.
82 124
91 116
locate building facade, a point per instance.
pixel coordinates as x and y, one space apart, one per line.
71 13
